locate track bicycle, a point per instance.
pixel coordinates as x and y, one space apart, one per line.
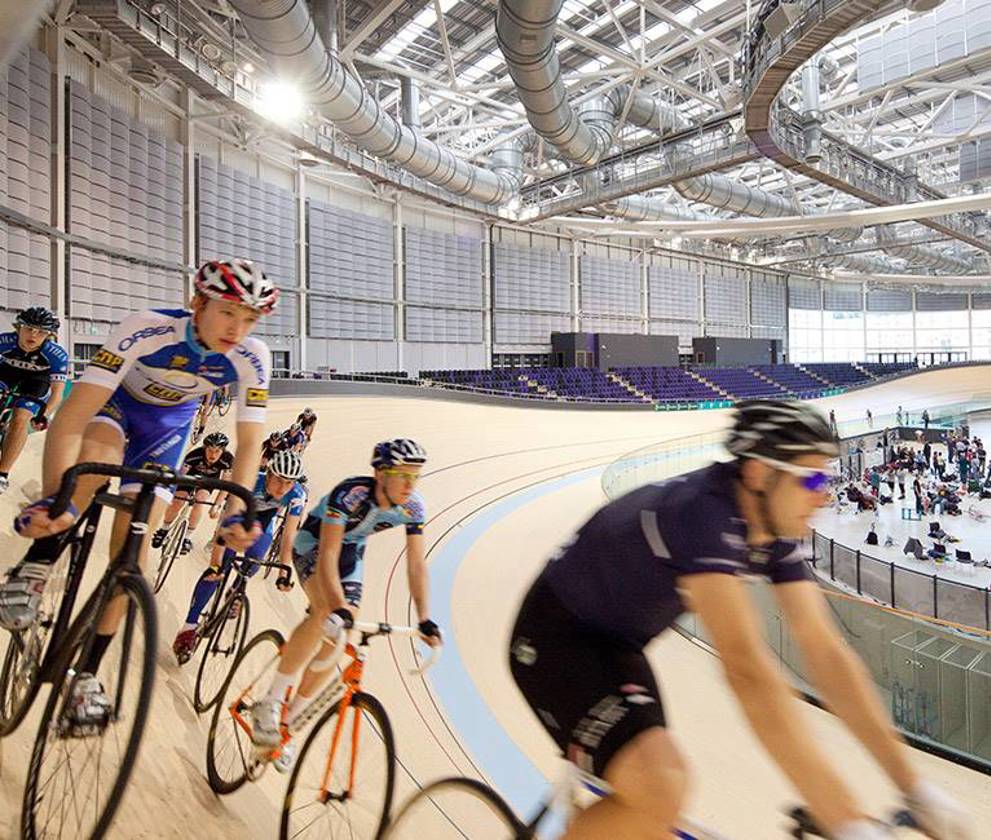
77 775
171 547
225 629
344 776
460 807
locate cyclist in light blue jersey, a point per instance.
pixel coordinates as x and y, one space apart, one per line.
37 368
134 405
278 488
328 554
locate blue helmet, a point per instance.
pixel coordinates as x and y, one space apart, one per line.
392 453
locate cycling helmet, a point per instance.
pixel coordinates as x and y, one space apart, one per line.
39 317
240 281
307 413
391 453
285 465
295 429
780 430
216 439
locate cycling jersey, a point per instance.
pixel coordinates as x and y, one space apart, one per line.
352 504
31 372
158 370
619 574
195 463
291 440
268 506
306 422
156 358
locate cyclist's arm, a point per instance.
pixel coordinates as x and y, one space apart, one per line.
245 469
65 436
722 602
842 679
417 575
55 400
328 558
288 536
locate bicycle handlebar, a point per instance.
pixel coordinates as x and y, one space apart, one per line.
384 628
155 476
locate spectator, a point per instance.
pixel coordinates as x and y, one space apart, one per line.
901 472
832 422
870 419
925 418
898 415
917 490
927 452
875 481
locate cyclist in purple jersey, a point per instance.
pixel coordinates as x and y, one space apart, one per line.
576 651
134 405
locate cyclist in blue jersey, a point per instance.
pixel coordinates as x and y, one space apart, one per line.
38 368
277 489
134 405
576 651
328 554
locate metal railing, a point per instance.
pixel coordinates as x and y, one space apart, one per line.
902 588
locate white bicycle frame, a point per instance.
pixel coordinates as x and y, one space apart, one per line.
335 688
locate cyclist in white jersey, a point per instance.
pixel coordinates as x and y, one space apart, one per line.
134 405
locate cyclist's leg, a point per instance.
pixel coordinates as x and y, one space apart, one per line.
196 513
156 437
172 511
599 701
308 636
21 592
17 434
319 669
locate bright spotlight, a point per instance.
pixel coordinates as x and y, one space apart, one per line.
280 102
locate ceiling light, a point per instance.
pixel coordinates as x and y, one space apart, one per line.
247 67
280 102
211 52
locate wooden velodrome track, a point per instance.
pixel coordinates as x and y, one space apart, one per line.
504 486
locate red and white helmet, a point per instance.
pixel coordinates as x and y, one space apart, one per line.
240 281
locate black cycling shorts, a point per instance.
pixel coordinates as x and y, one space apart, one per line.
593 694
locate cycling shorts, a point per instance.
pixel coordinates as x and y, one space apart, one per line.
350 567
33 391
155 435
593 694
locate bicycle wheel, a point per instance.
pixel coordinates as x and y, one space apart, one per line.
352 795
223 645
171 549
454 809
231 758
26 650
224 404
75 784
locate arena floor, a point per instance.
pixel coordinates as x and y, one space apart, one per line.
503 487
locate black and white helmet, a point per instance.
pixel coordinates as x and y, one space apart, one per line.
285 464
391 453
780 430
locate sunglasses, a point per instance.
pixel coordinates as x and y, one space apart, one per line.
410 478
813 480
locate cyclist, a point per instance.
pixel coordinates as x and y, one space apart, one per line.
38 368
211 460
294 438
328 554
135 404
278 488
576 651
202 415
307 421
272 444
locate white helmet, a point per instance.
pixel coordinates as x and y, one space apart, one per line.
285 464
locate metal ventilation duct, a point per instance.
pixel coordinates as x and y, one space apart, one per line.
642 209
284 30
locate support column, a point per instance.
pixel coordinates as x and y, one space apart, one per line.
487 282
190 255
575 286
302 267
399 276
58 274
